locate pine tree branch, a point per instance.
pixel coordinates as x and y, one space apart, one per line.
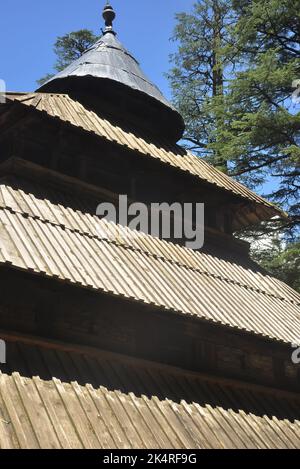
260 166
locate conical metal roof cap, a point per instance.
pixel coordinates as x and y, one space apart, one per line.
109 60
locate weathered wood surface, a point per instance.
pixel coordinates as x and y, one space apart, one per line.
54 240
53 397
72 112
80 316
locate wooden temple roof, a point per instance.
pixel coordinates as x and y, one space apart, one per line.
108 65
42 234
108 59
69 111
54 395
58 394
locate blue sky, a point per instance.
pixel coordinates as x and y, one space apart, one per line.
28 30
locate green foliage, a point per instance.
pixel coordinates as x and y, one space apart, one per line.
283 263
197 78
69 48
262 135
233 80
248 125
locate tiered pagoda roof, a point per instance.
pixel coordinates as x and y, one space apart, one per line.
117 339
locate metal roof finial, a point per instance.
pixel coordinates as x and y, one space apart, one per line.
109 16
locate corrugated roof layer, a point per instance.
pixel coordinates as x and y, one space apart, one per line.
50 238
56 397
63 107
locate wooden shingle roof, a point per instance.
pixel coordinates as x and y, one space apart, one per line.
41 233
56 395
62 107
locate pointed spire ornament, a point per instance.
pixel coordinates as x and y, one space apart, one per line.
108 16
